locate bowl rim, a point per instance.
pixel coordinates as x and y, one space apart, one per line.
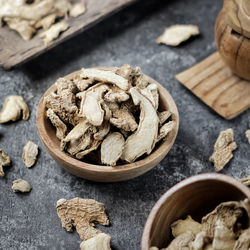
163 148
186 182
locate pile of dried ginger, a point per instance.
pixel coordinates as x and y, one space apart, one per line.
112 115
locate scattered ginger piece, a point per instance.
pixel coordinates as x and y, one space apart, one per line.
245 181
12 109
82 214
21 186
248 135
223 148
30 152
177 34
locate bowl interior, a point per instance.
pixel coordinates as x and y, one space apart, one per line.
48 136
196 198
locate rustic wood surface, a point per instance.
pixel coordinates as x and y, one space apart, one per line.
214 83
14 50
102 173
195 196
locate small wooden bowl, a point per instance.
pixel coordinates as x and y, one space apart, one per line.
104 173
195 196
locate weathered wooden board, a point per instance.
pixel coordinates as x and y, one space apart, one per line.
213 82
14 50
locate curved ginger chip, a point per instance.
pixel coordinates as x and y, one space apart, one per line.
12 109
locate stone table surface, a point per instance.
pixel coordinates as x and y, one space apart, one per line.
30 221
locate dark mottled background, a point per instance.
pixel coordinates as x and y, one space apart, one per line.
29 221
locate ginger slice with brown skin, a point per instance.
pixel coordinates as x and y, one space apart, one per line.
4 161
223 148
103 130
228 213
12 109
78 131
63 103
166 129
144 139
95 144
183 226
106 77
82 214
177 34
111 148
243 242
116 94
123 119
53 32
91 104
245 181
21 186
125 71
99 242
75 146
61 128
30 152
151 92
163 116
82 84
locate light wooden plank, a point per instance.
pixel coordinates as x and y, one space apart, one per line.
14 50
213 82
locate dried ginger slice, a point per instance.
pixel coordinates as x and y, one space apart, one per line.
53 32
224 237
4 161
23 27
182 241
21 186
116 94
144 139
166 129
91 104
82 214
99 242
123 119
61 128
223 148
111 148
77 9
228 213
243 242
151 92
183 226
177 34
12 108
163 116
201 240
30 152
95 144
106 77
103 130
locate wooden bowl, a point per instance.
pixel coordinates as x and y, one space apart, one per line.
195 196
102 173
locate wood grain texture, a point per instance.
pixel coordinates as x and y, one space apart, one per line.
231 42
195 196
102 173
14 50
214 83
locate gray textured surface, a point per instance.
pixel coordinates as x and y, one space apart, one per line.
30 221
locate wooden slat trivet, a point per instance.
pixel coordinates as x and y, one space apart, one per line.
213 82
14 50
